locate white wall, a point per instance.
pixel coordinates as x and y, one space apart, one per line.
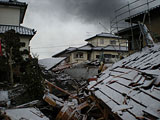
9 15
97 41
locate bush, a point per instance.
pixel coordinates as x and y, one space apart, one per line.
33 79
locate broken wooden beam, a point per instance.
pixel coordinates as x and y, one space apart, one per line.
60 89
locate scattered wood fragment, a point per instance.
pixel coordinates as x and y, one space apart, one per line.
60 89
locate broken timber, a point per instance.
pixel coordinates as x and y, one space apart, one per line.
60 89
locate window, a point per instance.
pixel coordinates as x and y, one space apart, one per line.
101 41
113 56
97 56
78 55
113 42
107 55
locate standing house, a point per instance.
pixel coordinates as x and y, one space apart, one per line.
12 14
106 44
65 53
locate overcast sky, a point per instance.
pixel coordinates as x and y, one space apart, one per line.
64 23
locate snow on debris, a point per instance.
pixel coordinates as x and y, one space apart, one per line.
133 81
49 63
4 96
25 114
58 101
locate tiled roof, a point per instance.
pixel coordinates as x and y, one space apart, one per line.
64 51
131 87
12 3
115 48
50 63
90 47
86 47
19 29
105 35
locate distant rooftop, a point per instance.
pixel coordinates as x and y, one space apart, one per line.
49 63
90 47
105 35
64 51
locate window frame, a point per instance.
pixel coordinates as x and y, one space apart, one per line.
113 42
78 55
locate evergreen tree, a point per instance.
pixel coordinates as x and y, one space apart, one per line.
31 73
33 79
11 51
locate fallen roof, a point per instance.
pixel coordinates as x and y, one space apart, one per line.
49 63
18 29
131 87
104 35
25 114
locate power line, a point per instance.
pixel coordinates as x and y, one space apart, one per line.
55 46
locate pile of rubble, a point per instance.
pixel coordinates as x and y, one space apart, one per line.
130 89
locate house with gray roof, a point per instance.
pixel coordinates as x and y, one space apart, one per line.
104 44
12 14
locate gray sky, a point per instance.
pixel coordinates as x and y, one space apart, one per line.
65 23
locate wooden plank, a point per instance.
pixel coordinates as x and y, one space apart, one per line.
60 89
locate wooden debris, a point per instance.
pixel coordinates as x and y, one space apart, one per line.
30 104
60 89
53 100
50 101
70 113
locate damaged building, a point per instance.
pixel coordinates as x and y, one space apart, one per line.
127 90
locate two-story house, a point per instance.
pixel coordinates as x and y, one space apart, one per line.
106 44
12 13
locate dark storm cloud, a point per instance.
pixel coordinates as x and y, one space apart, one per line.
67 22
89 10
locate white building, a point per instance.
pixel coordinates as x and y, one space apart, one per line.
12 13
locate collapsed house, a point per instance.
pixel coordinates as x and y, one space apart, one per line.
130 89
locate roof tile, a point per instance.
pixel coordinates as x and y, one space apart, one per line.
19 29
